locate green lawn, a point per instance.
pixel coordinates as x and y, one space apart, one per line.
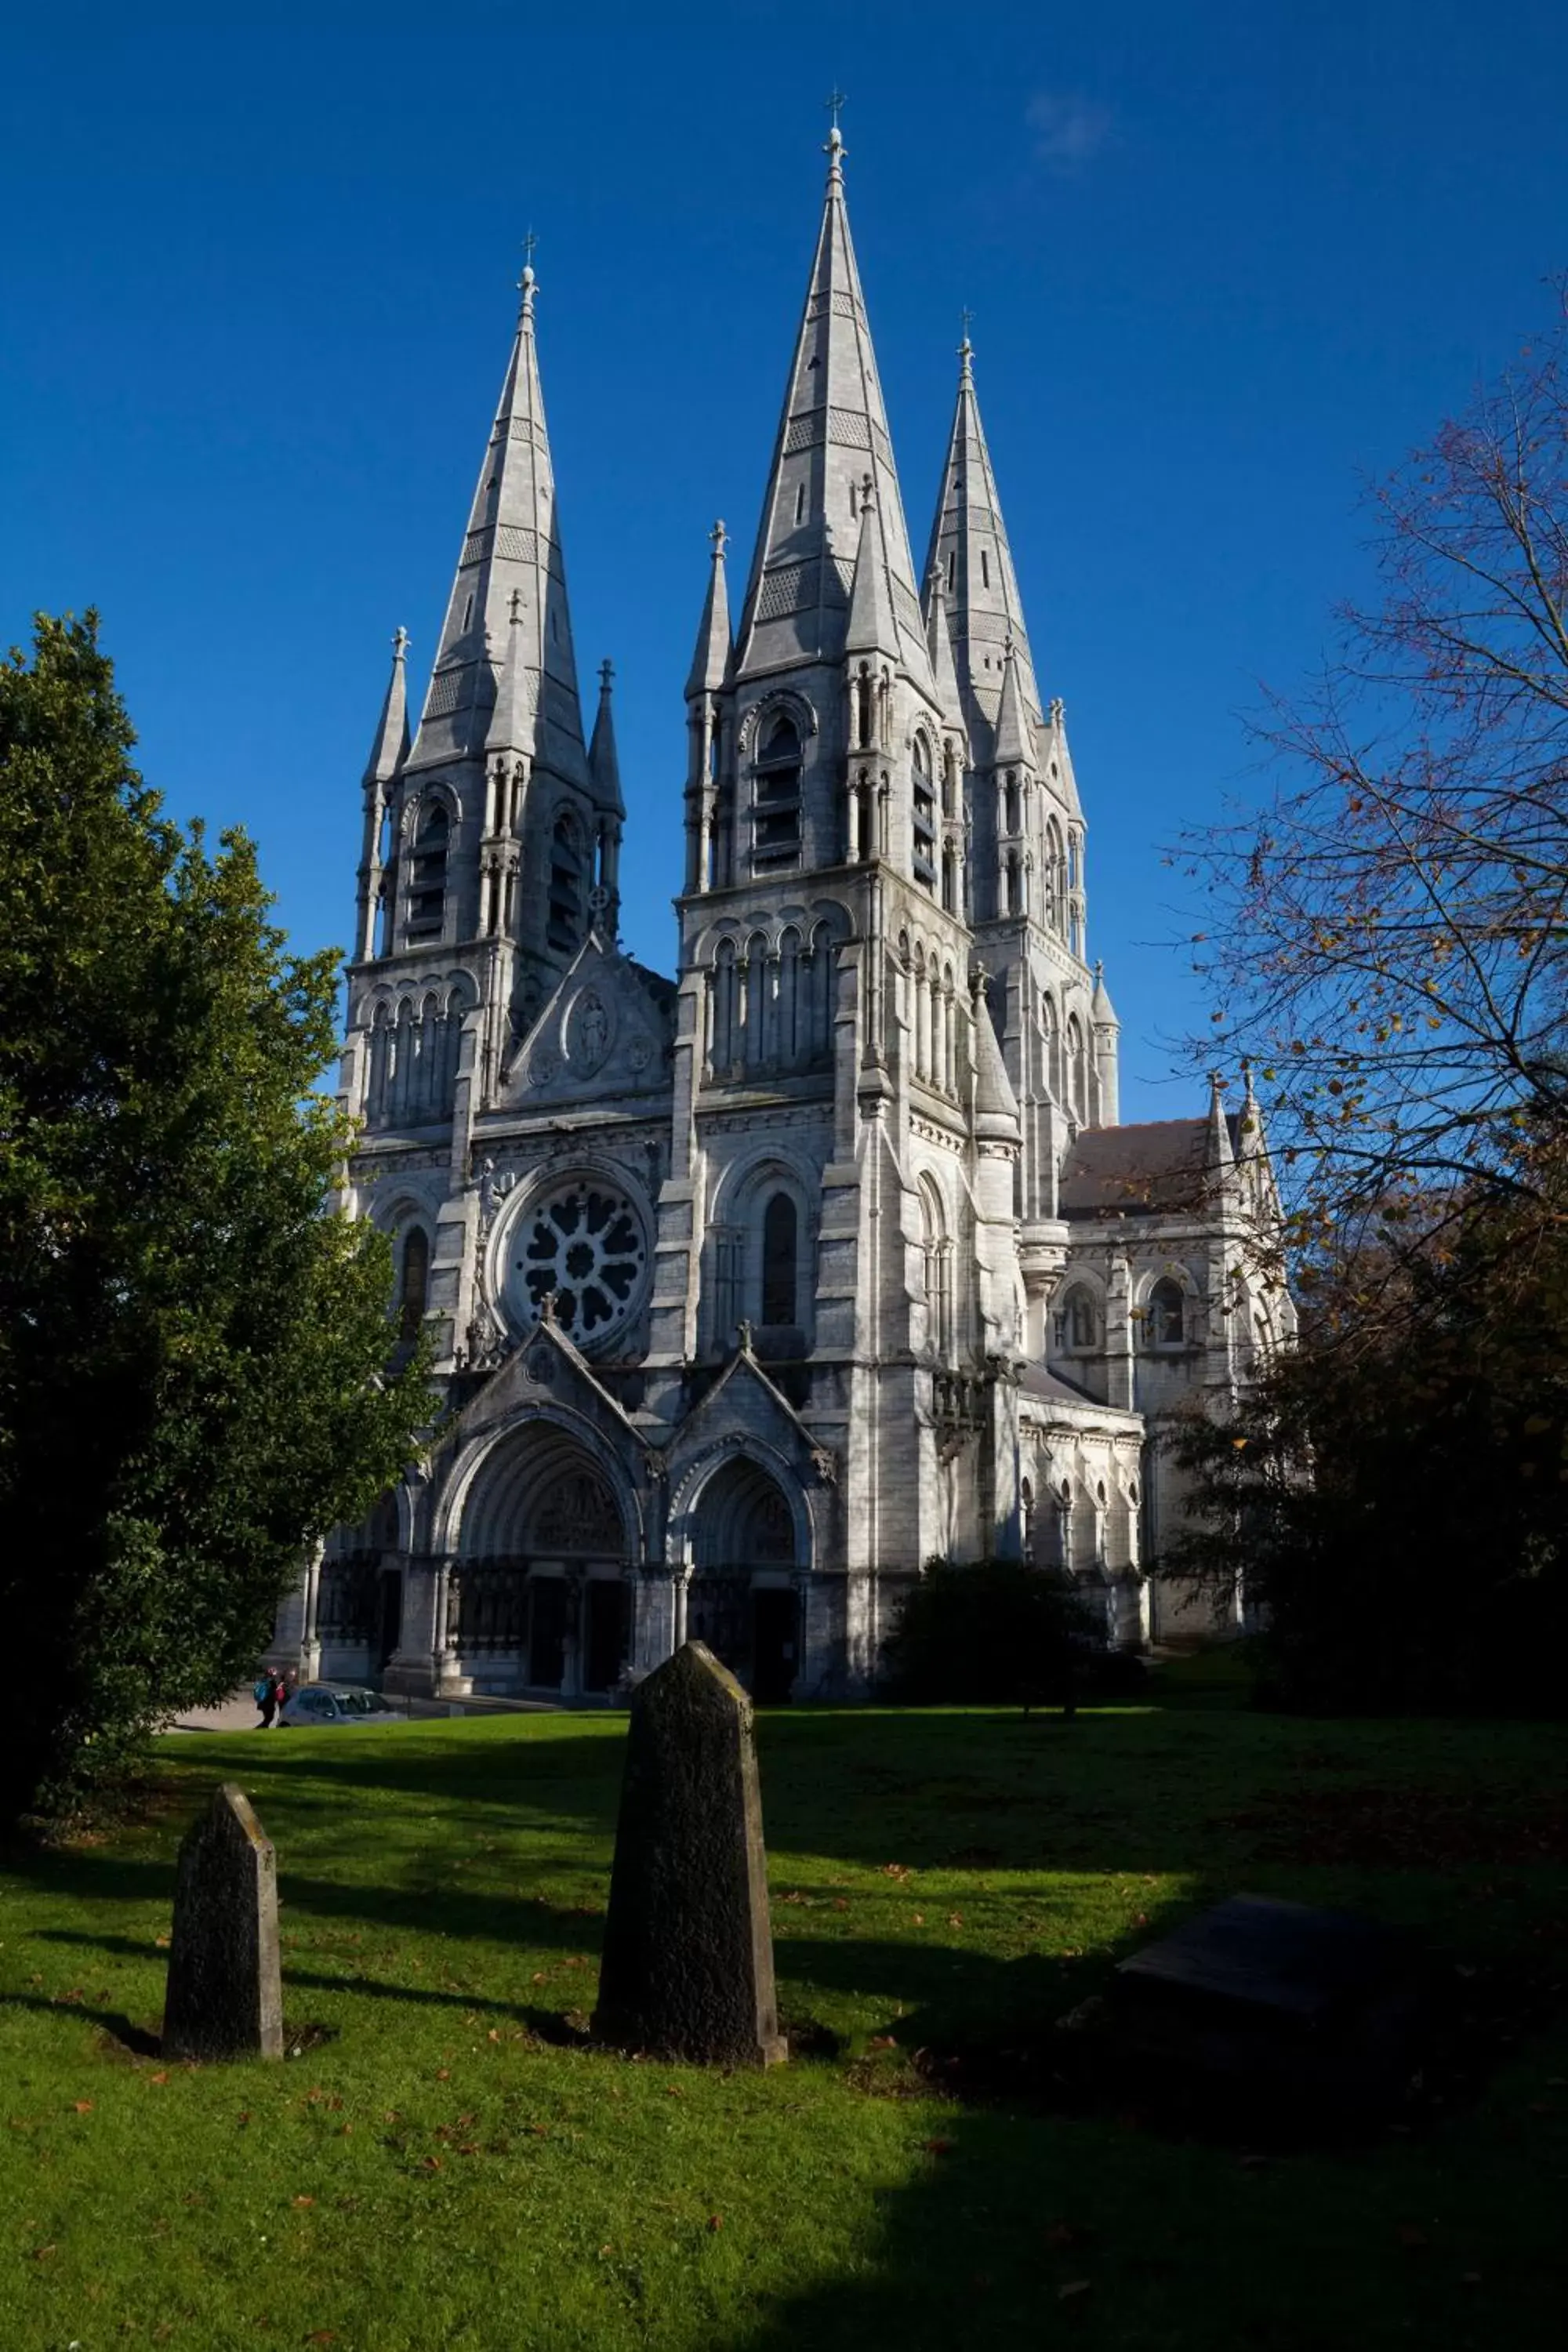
450 2170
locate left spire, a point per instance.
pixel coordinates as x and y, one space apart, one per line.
510 564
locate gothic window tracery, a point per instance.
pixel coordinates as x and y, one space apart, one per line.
1078 1322
581 1247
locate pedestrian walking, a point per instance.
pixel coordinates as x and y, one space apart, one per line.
265 1693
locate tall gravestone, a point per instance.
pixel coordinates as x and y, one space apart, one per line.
689 1955
225 1997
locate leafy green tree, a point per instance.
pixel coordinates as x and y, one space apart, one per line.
193 1349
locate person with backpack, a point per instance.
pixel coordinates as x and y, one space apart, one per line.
264 1691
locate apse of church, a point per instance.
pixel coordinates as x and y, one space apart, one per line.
755 1289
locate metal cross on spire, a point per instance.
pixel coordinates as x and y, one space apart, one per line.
833 101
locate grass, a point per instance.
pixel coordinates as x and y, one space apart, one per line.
454 2168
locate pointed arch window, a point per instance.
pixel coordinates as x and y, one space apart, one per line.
937 1270
414 1282
924 814
427 873
1078 1070
781 1261
1165 1322
777 770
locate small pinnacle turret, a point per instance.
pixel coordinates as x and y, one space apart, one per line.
1014 728
711 655
604 764
390 748
871 627
938 643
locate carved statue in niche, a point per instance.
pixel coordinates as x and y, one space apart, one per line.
590 1032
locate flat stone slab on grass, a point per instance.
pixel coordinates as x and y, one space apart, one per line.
225 1997
688 1969
1279 1999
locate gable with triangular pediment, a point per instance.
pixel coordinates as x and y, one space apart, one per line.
605 1030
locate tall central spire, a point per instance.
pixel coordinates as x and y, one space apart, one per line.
969 546
508 599
833 431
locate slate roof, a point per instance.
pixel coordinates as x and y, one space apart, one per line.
1155 1169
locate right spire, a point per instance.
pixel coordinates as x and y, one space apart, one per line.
969 549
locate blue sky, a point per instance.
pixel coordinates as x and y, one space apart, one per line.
1224 261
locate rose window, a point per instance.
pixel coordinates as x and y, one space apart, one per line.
582 1245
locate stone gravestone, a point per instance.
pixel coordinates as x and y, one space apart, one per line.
225 1997
689 1955
1284 2004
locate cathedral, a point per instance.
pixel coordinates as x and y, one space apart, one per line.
755 1289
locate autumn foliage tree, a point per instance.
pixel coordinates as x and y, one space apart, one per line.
194 1379
1389 935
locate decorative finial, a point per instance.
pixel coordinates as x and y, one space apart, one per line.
834 148
867 492
966 349
606 675
400 642
516 606
528 281
719 537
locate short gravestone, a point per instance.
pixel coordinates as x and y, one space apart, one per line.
225 1997
1279 2001
689 1955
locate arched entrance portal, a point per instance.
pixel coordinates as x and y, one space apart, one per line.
539 1596
744 1600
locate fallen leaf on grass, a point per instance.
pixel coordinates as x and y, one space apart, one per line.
323 2336
161 2076
304 2200
715 2220
443 2073
895 1870
882 2041
839 1903
430 2164
42 2253
956 1918
82 2107
919 1917
937 2146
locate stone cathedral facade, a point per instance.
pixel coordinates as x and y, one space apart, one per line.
755 1288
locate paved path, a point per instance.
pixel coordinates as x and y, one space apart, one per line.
240 1712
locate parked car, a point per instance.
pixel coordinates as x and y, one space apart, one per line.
315 1706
